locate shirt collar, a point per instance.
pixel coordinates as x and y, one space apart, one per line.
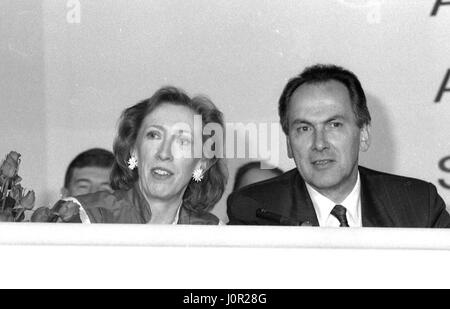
177 215
323 205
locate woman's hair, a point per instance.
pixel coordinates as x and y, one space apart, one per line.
198 196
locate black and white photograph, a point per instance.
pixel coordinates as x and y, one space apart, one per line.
225 144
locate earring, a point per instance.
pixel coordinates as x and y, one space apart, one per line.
197 175
132 163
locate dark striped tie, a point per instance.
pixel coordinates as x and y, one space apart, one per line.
339 212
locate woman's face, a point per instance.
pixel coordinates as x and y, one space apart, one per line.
164 148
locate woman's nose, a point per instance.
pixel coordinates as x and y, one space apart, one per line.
165 151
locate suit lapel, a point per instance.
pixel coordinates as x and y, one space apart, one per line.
302 206
378 203
375 202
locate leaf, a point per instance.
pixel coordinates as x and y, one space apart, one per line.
9 203
19 214
42 214
6 216
15 180
27 201
16 192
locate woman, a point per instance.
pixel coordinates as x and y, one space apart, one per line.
158 177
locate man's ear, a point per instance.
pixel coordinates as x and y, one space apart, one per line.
289 148
64 192
364 138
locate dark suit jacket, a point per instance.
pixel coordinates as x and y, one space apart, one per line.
386 201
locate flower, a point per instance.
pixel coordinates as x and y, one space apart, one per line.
10 166
132 163
62 211
197 174
14 200
68 211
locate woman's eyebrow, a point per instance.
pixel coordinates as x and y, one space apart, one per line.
157 126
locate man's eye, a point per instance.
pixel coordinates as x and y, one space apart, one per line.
335 124
80 190
303 129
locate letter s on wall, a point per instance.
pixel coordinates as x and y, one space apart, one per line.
444 168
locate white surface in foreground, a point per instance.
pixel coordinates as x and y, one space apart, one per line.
227 257
222 236
226 268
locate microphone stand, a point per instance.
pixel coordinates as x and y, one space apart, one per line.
281 220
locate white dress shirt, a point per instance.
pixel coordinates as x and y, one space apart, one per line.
323 207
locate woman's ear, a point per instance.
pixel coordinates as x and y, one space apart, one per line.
203 164
132 152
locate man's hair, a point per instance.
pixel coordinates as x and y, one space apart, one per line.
95 157
250 166
321 73
198 195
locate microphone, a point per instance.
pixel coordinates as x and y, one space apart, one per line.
282 220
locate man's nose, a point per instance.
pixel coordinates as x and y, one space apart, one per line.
320 140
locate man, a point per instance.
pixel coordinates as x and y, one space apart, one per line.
88 173
324 115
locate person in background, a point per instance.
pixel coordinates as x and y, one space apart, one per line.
252 172
88 172
324 115
157 177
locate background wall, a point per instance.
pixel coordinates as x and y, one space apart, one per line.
23 120
68 68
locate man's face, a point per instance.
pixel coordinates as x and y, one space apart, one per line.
324 139
88 179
